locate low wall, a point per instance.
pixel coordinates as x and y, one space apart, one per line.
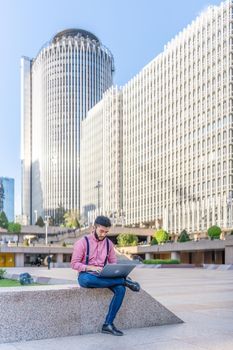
39 312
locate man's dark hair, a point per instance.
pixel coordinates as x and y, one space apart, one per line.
103 221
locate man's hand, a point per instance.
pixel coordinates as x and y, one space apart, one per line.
93 268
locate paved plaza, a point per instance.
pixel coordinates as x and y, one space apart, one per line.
203 299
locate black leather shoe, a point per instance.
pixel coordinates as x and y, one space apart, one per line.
111 329
134 286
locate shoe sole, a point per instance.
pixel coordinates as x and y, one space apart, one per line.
116 335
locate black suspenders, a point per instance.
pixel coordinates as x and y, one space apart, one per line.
106 259
88 251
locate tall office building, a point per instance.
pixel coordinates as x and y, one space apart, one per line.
7 197
66 79
91 165
101 158
178 130
113 154
178 133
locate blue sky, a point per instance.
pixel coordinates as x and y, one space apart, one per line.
134 30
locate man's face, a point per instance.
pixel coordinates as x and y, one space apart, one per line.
101 231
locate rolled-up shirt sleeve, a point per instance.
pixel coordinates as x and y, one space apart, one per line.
78 256
112 259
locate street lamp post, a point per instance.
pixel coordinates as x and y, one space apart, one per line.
202 224
98 188
47 217
35 211
229 212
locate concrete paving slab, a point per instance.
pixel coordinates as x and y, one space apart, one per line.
148 338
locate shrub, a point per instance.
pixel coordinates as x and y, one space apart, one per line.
40 222
161 261
126 240
214 232
154 241
64 244
2 273
161 236
184 237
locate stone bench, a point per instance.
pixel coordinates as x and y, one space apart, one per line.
38 312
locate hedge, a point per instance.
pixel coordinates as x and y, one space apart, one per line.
161 261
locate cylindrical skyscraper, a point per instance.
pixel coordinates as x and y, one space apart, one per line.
66 79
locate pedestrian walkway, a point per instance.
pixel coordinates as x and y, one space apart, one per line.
202 298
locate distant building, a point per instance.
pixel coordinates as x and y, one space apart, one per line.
22 219
7 197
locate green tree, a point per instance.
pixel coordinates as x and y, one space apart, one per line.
184 237
40 222
154 241
127 239
161 236
2 196
14 227
59 214
214 232
3 220
71 218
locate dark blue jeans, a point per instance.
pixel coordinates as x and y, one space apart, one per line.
116 285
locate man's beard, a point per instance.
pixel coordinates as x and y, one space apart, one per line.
99 238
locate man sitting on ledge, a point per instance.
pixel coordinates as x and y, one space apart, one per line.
90 255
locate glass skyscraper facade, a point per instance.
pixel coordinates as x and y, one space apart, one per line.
66 79
7 197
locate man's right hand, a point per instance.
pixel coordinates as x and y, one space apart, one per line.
94 268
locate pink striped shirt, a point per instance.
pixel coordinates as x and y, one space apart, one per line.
97 253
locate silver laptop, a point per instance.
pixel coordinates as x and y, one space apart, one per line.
116 270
